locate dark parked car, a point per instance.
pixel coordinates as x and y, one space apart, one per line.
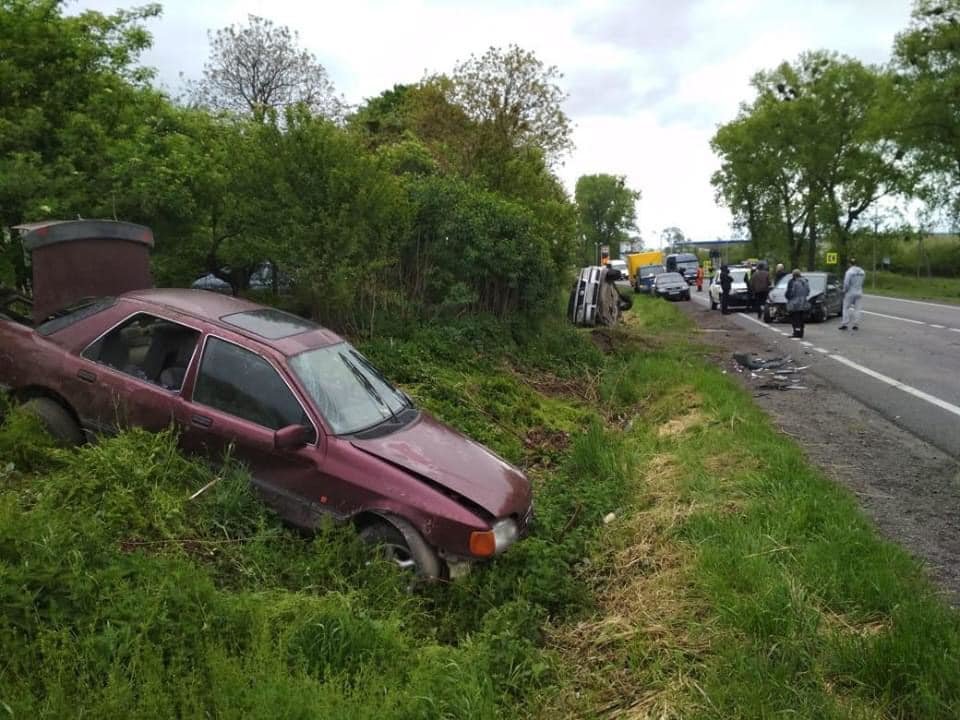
643 282
826 298
672 286
321 430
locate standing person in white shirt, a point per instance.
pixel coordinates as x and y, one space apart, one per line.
852 292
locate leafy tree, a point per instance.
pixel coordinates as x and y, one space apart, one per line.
754 186
70 91
474 250
515 99
672 237
926 86
421 118
259 68
607 212
812 150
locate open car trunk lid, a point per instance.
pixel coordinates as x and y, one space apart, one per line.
77 259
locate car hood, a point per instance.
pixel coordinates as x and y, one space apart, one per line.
672 286
428 448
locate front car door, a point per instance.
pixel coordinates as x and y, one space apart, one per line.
239 401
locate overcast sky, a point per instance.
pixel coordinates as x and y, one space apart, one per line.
648 80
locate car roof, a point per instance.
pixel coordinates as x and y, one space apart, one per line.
212 307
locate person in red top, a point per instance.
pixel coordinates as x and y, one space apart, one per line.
699 278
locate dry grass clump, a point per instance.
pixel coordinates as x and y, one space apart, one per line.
678 425
838 623
633 657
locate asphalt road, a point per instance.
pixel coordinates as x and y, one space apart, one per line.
904 361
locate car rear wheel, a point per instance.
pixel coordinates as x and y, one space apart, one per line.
400 543
56 420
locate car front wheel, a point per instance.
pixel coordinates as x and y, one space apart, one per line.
400 543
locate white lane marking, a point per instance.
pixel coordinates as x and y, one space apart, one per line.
894 317
939 327
913 302
942 404
808 344
768 326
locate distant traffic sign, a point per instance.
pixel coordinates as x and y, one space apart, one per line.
831 258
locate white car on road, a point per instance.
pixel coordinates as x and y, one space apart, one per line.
620 265
739 294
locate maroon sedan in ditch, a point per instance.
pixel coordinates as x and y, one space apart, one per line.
320 429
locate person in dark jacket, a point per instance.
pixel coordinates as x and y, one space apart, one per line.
760 285
726 282
798 289
779 273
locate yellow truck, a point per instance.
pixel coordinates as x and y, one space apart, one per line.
635 261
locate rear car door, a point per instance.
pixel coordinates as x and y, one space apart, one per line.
131 375
239 401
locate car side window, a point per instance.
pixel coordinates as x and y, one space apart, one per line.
148 348
242 383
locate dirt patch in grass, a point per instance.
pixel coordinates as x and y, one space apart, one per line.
604 340
552 386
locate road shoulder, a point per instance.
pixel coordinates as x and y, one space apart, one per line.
908 487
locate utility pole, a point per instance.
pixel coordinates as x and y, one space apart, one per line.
876 228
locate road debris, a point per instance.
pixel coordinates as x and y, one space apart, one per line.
774 373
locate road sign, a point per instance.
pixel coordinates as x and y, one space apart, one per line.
831 258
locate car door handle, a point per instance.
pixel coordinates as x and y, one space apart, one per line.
86 376
201 421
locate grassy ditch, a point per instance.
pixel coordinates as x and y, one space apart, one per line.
686 562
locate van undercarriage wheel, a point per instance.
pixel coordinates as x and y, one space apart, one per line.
57 421
400 543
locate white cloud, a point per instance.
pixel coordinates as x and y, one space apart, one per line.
649 80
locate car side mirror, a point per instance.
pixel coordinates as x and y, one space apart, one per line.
292 437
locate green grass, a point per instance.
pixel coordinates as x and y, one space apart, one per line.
910 286
733 581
